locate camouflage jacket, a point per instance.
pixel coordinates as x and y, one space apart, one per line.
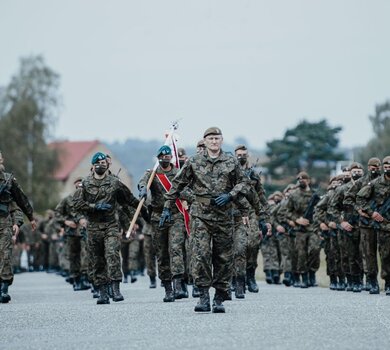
349 203
208 178
158 191
321 209
297 204
371 197
65 211
108 190
335 207
12 193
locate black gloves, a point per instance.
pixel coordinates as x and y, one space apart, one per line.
166 216
263 227
223 199
143 192
103 206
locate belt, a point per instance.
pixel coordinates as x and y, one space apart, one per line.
100 218
205 200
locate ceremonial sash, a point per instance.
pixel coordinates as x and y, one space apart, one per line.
164 181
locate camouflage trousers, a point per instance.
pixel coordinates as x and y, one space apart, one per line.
286 245
308 249
169 244
384 253
150 256
211 253
352 245
62 249
53 254
133 252
336 256
253 245
78 264
104 253
371 250
240 244
328 256
270 252
6 244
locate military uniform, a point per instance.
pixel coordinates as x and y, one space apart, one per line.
370 199
214 182
97 199
11 191
150 254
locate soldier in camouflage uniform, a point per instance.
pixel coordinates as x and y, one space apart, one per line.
169 241
321 219
75 241
367 234
371 201
307 241
98 199
215 178
150 254
9 191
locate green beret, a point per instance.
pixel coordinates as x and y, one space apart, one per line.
240 148
212 131
181 152
355 165
386 160
303 175
164 150
98 156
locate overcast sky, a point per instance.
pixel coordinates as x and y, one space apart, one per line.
252 67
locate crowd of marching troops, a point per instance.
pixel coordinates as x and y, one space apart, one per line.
203 223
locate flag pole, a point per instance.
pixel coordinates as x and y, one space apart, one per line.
174 127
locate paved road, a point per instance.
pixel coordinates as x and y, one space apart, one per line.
46 314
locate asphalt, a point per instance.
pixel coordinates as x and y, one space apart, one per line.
45 313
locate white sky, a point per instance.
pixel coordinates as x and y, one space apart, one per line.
252 67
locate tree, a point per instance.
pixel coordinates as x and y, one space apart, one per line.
308 146
379 145
28 112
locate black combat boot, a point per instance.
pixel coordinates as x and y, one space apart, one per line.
305 280
287 280
4 296
333 282
178 288
169 295
350 282
297 280
387 287
133 277
153 283
312 279
275 276
357 287
251 281
240 286
195 291
185 289
103 295
76 284
341 284
117 296
203 304
109 290
218 307
84 284
94 291
368 285
268 276
374 286
233 284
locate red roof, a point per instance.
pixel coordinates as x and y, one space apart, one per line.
70 154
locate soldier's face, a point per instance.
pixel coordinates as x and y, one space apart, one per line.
213 142
386 169
242 156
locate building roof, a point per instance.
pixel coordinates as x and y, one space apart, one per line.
70 154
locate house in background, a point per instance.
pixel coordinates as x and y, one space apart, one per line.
74 160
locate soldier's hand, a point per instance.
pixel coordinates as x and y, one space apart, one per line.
33 225
143 193
346 226
302 221
245 220
70 223
83 222
223 199
166 216
332 225
291 223
324 227
103 206
362 213
377 217
280 229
